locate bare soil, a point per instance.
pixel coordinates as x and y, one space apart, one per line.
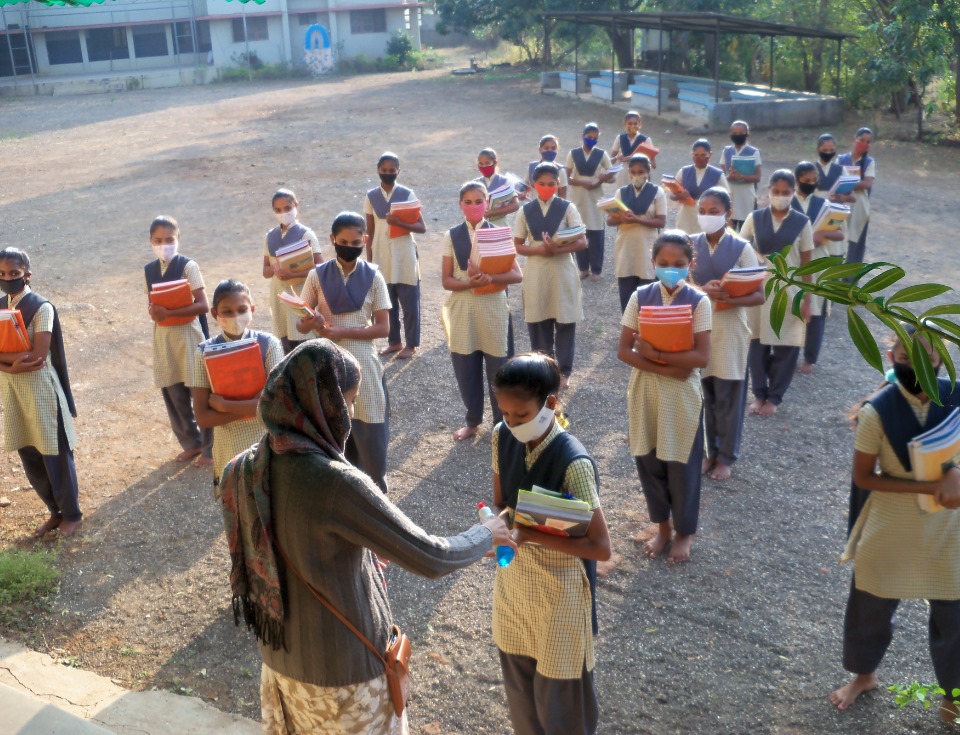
744 639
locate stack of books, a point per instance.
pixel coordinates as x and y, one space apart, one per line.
647 149
846 182
667 328
552 512
744 165
172 295
568 235
519 185
612 205
615 168
501 196
831 217
235 369
493 253
929 452
297 304
671 184
408 212
296 258
13 332
740 282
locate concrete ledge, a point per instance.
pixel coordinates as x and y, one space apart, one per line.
818 112
25 715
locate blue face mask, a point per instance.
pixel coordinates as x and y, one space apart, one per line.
589 142
548 155
670 277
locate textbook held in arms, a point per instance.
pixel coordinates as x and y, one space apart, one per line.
612 205
671 184
172 295
297 304
235 369
296 258
667 328
494 254
739 282
568 235
501 197
831 217
551 512
647 149
931 451
13 332
408 212
744 165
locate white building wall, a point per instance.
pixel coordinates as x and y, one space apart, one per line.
226 52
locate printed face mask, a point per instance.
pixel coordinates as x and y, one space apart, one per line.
388 178
535 428
287 218
738 140
13 286
548 155
639 180
710 223
545 191
474 212
589 143
347 253
487 171
778 202
670 277
166 251
235 324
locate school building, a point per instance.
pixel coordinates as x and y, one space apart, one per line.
138 38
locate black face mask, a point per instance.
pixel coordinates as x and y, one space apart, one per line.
827 157
388 178
806 189
347 253
12 288
738 140
907 377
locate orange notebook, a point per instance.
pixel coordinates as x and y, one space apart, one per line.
235 369
13 332
674 187
172 295
408 214
667 328
647 149
494 265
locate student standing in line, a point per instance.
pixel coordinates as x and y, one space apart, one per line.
552 297
716 251
544 601
900 551
477 325
626 144
352 302
586 171
235 424
175 346
828 170
637 228
37 402
773 359
396 256
549 146
695 179
288 231
743 188
490 176
860 208
664 403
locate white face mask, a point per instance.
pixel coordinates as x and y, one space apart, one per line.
235 325
287 218
780 202
639 181
534 428
167 251
710 223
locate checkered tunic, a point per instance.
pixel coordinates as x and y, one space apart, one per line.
231 439
633 248
551 284
397 257
900 551
30 400
474 321
175 348
730 336
585 200
664 413
371 406
284 321
541 601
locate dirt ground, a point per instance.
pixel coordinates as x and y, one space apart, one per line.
745 639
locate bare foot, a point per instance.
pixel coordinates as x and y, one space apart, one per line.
706 465
949 711
68 529
204 461
768 409
806 368
680 551
465 432
655 546
594 277
390 349
721 472
847 695
584 275
406 353
46 527
564 382
755 407
187 454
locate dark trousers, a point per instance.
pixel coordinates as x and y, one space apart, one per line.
673 488
468 370
736 224
289 345
724 404
406 297
542 706
179 405
543 336
771 370
367 449
857 249
627 285
54 477
814 339
868 629
592 258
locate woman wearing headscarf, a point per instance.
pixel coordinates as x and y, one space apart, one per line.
296 489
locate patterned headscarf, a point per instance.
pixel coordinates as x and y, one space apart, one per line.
304 410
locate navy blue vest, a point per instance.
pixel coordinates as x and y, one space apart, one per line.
586 166
650 295
174 272
638 203
463 243
627 148
826 179
813 208
343 298
688 177
496 181
537 223
275 240
548 472
846 159
769 241
381 206
713 267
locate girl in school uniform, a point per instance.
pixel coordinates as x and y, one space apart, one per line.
552 297
828 170
288 231
549 147
477 324
773 359
664 403
743 188
626 144
637 228
860 207
825 244
696 179
491 178
716 250
175 347
37 402
235 424
586 171
352 303
900 551
396 256
544 601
